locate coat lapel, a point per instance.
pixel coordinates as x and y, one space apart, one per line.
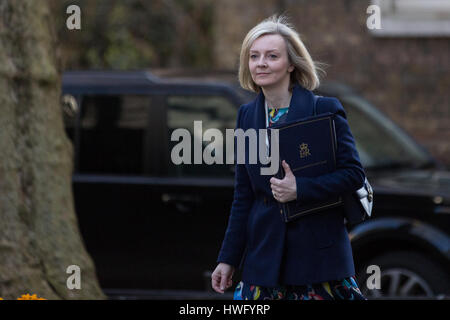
301 106
260 112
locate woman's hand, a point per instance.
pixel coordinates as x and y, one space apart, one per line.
221 277
284 190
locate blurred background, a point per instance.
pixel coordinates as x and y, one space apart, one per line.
87 115
404 71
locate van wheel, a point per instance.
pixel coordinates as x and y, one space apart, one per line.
404 275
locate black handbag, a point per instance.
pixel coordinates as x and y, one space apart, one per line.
358 204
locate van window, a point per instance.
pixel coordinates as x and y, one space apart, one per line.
214 112
380 143
112 134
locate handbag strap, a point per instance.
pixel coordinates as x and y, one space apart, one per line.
316 98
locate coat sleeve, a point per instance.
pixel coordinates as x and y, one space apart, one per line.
349 174
234 241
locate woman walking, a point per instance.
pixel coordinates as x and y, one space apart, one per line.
311 257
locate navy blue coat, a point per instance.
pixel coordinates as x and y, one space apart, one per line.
315 248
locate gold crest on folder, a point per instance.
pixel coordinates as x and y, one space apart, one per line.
304 151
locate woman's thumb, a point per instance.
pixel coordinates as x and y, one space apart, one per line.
286 167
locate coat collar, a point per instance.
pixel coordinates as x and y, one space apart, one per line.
301 106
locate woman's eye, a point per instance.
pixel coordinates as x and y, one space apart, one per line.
253 56
273 56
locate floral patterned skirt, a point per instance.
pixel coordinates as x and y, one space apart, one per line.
345 289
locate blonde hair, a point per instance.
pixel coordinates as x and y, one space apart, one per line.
306 70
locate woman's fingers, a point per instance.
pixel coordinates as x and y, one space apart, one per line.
221 278
215 282
275 188
224 283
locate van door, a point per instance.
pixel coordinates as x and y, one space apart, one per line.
110 192
196 197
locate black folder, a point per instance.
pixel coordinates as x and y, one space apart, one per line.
309 147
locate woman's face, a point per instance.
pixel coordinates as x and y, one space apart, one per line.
268 61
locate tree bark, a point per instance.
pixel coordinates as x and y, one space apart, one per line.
39 236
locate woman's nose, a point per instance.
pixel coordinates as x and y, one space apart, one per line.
262 62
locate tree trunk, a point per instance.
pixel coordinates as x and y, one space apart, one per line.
39 236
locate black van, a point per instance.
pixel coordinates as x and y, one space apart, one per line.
154 228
